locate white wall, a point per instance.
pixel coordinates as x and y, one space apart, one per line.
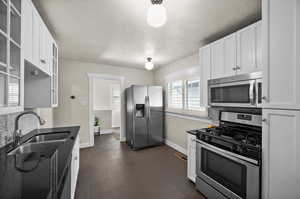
47 115
102 93
73 80
175 126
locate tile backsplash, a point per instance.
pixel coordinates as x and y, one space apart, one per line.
7 122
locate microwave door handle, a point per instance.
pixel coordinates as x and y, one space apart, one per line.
252 93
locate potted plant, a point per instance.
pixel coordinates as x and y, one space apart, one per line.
97 126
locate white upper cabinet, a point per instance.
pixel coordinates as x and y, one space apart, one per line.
246 44
281 154
35 37
28 23
45 48
42 45
11 64
38 40
230 55
217 59
40 53
205 64
238 53
258 39
281 54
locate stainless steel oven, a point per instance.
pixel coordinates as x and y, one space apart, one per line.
236 91
225 175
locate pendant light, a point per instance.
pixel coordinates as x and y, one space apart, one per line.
157 14
149 64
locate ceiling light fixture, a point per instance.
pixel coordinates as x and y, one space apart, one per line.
149 64
157 14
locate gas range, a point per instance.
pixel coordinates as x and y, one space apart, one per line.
233 139
239 137
228 157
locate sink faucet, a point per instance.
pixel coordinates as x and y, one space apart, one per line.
17 131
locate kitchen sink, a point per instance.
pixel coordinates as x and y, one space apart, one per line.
62 136
42 147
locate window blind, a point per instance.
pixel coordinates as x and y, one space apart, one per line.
175 94
193 94
13 92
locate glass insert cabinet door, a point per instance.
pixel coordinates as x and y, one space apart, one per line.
3 53
3 83
3 16
11 81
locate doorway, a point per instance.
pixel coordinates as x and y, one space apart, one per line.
106 114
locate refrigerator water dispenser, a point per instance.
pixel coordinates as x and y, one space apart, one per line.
140 110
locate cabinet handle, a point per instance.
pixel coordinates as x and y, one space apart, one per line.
43 61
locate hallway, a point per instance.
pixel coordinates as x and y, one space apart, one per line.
110 170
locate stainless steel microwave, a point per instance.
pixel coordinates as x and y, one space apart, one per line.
236 91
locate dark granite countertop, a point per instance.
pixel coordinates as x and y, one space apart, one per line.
17 185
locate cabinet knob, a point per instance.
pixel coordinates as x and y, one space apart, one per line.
43 61
264 98
238 68
264 120
234 68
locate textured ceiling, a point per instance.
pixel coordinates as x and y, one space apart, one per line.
115 31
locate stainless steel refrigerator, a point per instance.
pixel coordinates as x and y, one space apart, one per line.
144 116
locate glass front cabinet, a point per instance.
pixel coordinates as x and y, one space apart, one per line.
11 66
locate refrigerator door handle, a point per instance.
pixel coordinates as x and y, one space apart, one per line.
147 107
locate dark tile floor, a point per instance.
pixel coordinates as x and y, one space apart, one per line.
110 170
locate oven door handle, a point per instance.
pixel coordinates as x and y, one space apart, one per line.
227 154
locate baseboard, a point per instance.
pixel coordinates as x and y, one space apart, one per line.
85 145
176 147
106 131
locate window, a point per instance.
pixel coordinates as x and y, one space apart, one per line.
193 94
184 94
115 96
175 94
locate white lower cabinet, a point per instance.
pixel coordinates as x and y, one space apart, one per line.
74 167
281 154
191 153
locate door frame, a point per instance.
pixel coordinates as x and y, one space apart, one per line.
121 80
